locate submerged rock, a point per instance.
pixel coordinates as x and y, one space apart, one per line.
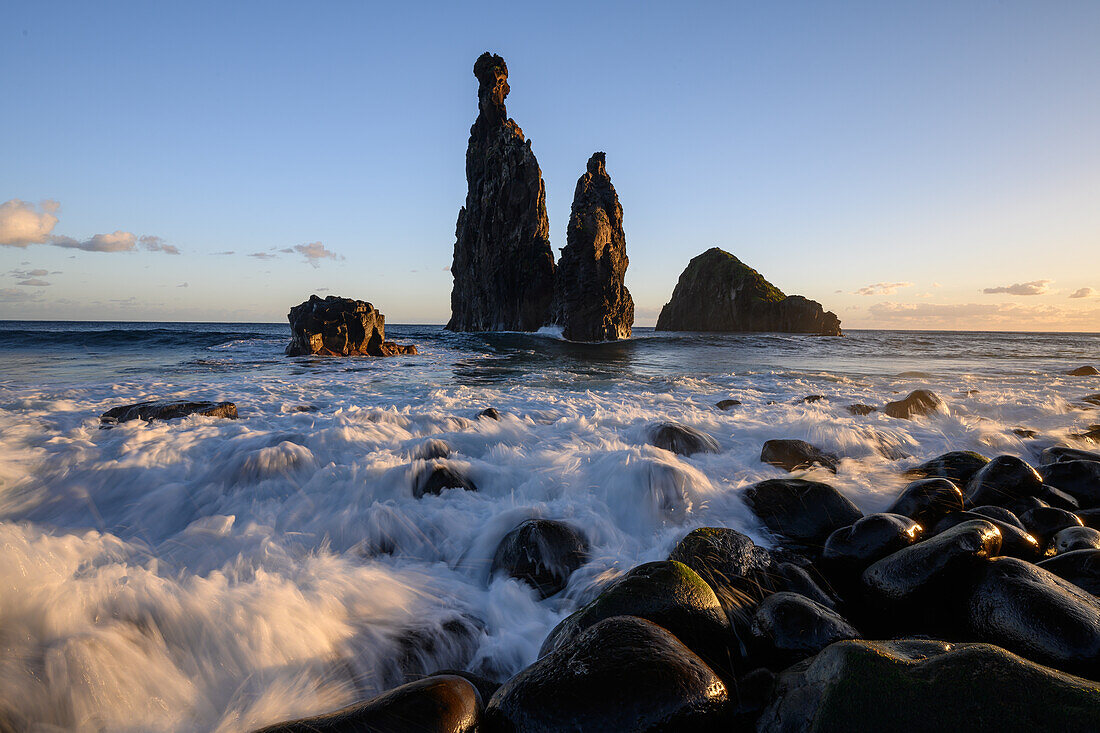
918 685
681 439
861 409
503 265
918 402
727 404
167 410
621 674
339 327
591 302
438 476
718 292
792 455
441 704
432 448
490 413
788 627
542 552
804 512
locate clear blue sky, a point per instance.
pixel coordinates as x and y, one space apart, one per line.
923 152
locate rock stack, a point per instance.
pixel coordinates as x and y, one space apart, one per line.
591 302
340 327
718 292
503 266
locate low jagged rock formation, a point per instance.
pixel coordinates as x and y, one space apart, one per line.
718 292
503 266
167 410
340 327
591 303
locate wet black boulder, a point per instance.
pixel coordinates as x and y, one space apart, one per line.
918 402
489 413
999 513
792 455
1079 479
738 571
1015 542
1059 453
1084 371
788 627
1080 567
621 674
851 550
1044 522
803 512
439 476
1036 614
1075 538
667 593
861 409
167 410
958 466
1001 481
681 439
928 500
542 552
727 404
442 704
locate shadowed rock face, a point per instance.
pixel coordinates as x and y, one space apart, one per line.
503 266
591 303
340 327
718 292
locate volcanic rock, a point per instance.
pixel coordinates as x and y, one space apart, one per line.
438 476
503 265
1015 542
1076 538
718 292
167 410
542 552
1079 479
591 303
740 573
957 466
804 512
788 627
1060 454
339 327
861 409
1080 567
681 439
1002 480
917 402
1044 522
851 550
792 455
928 501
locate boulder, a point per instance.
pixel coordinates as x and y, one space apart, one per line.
681 439
919 685
1075 538
1015 542
1084 371
591 302
999 513
1060 453
861 409
957 466
431 448
442 704
1043 523
739 571
167 410
918 402
1036 614
928 500
803 512
541 552
792 455
439 475
339 327
851 550
669 594
727 404
503 265
490 413
788 627
1080 567
1003 480
622 673
717 292
1080 479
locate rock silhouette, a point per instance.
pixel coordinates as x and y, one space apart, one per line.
340 327
718 292
591 303
503 266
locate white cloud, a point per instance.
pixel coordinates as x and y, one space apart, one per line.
1035 287
21 224
1083 293
117 241
315 251
881 289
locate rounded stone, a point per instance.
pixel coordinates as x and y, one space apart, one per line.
541 552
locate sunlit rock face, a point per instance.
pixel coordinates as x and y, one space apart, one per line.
718 292
503 266
340 327
591 302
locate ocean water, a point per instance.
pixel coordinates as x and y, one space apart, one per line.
206 574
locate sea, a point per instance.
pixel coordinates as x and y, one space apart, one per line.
207 574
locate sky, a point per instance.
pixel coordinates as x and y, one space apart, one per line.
907 164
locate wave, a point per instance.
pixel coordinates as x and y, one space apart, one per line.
122 338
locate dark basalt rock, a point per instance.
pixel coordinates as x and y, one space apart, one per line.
167 410
740 572
542 552
917 685
920 578
1080 567
418 649
621 674
804 512
1090 517
667 593
443 704
439 476
918 402
717 292
591 303
432 448
1003 480
1015 542
1060 454
792 455
1079 479
485 686
788 627
1036 614
1025 504
339 327
1076 538
681 439
490 413
957 466
1043 523
798 579
727 404
503 265
928 500
851 550
999 513
861 409
1084 371
810 399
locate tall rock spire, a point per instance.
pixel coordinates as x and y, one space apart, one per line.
591 302
503 266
